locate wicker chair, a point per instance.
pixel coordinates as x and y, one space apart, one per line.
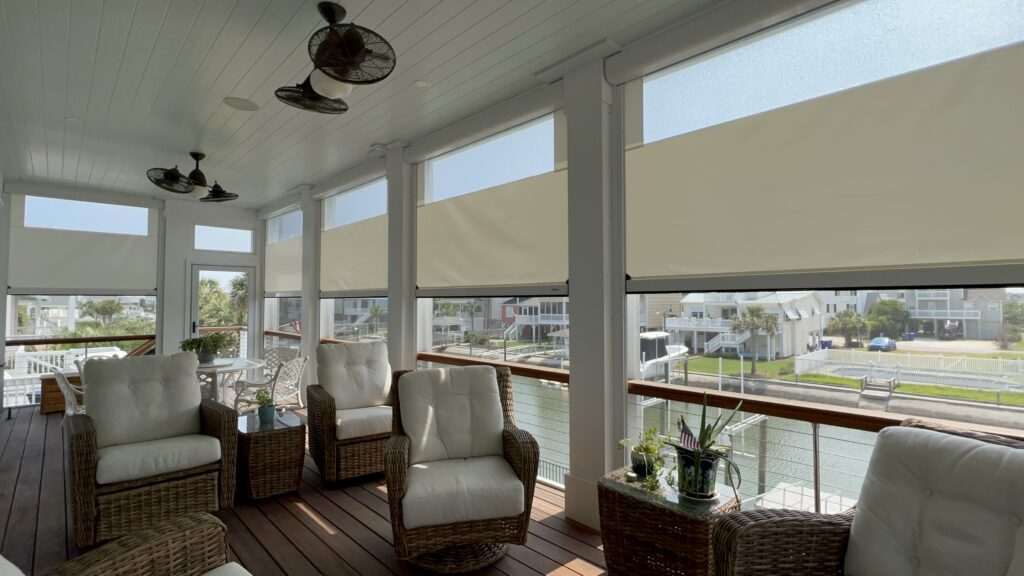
149 449
768 542
191 545
441 524
349 410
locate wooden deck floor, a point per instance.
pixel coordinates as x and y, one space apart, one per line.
344 530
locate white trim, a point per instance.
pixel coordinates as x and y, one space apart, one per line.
5 249
291 201
508 114
723 24
401 260
288 294
983 274
373 169
310 303
494 291
79 292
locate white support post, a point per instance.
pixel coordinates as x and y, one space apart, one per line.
310 338
596 289
5 243
401 259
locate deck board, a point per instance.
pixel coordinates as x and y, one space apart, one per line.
321 529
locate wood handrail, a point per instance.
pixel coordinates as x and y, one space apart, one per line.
81 340
840 416
279 334
210 329
524 370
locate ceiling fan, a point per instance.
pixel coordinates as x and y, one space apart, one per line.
174 181
343 55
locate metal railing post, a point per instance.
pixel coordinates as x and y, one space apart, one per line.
817 468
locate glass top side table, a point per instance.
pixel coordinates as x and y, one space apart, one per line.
270 455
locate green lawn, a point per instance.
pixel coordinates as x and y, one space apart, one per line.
827 380
1007 398
730 367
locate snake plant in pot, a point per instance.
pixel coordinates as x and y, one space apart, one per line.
698 454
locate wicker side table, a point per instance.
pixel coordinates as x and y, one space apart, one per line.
657 533
270 455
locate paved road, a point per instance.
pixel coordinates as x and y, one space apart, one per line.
941 346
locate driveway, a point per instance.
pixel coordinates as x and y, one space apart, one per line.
950 346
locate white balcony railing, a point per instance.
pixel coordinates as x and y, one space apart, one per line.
932 294
945 314
720 298
558 319
704 324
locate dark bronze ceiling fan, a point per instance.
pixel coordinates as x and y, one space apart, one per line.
174 181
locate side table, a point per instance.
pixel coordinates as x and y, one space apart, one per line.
660 532
270 455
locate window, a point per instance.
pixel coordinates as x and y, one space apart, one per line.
495 213
354 240
519 153
60 214
283 256
47 317
944 359
354 319
525 330
282 322
223 239
830 117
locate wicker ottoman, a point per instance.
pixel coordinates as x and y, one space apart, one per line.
270 455
657 533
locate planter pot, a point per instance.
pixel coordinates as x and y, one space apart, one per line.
698 472
267 413
643 465
206 356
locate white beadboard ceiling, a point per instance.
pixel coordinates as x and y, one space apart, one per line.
94 92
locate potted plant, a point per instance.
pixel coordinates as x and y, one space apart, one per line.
645 456
267 407
206 347
698 455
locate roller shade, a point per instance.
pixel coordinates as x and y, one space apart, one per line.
512 234
283 254
354 254
919 169
58 261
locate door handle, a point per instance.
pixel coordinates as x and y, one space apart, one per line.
193 326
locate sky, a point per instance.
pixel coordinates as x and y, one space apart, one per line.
356 205
63 214
855 45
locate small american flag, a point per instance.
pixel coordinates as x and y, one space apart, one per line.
686 436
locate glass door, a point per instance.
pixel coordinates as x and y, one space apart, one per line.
220 303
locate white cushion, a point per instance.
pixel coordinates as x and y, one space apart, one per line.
9 569
460 490
357 422
938 504
356 374
451 413
154 457
229 569
142 398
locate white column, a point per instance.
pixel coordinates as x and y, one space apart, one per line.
5 243
310 283
401 260
596 289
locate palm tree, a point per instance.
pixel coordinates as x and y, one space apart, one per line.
473 306
754 320
240 291
850 325
376 313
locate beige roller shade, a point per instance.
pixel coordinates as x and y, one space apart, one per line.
51 261
355 256
513 234
283 266
920 169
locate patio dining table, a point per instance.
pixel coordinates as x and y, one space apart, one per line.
223 372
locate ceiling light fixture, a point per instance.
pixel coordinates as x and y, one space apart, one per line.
239 103
422 84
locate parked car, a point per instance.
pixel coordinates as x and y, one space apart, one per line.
882 344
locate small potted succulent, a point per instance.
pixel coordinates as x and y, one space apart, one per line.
645 456
698 455
267 407
206 347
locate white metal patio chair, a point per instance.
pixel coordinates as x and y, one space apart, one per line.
283 385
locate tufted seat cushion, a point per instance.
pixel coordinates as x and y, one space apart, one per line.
460 490
358 422
937 504
139 460
356 374
451 413
142 398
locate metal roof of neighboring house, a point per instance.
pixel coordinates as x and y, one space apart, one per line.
781 297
